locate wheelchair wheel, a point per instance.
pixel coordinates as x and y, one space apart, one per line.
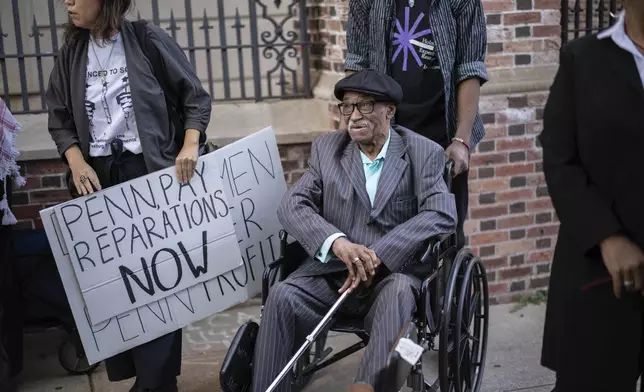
464 327
72 358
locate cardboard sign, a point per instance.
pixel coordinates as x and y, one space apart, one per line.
253 192
254 185
140 241
143 324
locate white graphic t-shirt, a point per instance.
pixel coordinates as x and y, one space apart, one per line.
108 101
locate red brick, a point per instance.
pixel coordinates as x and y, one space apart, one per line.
511 248
547 4
515 273
514 169
499 61
489 185
515 195
540 205
45 167
524 46
489 238
27 212
496 131
543 231
519 18
534 155
497 5
488 212
546 31
514 144
488 159
540 257
33 182
495 263
515 221
53 195
497 288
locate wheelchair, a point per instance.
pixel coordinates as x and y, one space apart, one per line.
452 308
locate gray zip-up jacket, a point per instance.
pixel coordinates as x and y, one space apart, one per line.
68 121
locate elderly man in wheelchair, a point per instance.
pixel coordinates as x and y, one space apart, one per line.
374 221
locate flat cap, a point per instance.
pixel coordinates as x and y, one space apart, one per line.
370 82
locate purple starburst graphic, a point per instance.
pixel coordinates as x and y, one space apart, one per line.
404 36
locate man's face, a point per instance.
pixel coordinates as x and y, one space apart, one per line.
368 120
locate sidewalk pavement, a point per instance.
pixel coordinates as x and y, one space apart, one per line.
514 349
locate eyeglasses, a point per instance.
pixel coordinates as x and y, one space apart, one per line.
364 107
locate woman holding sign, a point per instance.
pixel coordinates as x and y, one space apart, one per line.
124 101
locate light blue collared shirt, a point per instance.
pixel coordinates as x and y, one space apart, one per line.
618 33
372 170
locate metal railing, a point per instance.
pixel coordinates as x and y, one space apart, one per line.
586 17
258 52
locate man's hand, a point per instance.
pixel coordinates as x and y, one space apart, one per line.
625 263
360 261
459 153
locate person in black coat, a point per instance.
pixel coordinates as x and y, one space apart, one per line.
594 167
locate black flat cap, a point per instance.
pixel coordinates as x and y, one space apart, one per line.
370 82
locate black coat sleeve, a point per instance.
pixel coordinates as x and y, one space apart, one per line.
585 214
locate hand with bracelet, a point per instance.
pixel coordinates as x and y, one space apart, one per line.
459 152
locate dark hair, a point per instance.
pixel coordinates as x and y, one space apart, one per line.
109 19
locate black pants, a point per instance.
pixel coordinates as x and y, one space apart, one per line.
10 301
435 130
564 385
158 362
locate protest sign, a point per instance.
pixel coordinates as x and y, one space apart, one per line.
253 185
143 324
142 240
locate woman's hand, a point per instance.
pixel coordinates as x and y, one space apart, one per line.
84 177
186 162
187 159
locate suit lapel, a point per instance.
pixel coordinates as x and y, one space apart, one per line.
392 171
623 66
352 165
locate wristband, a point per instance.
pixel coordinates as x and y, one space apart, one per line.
458 139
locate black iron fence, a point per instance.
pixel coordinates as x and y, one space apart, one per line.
243 50
586 17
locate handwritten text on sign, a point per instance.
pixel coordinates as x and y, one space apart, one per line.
143 324
253 197
145 239
254 192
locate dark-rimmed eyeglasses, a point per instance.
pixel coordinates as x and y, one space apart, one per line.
364 107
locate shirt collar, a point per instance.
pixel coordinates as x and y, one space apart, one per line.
618 33
380 156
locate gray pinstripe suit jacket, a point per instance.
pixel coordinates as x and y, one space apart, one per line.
412 202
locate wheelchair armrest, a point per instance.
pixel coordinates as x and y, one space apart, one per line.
289 258
438 247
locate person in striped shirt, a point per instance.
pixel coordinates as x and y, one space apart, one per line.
435 49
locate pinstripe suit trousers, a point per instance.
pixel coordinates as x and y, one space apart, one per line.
295 306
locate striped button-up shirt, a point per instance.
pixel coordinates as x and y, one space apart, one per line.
461 39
